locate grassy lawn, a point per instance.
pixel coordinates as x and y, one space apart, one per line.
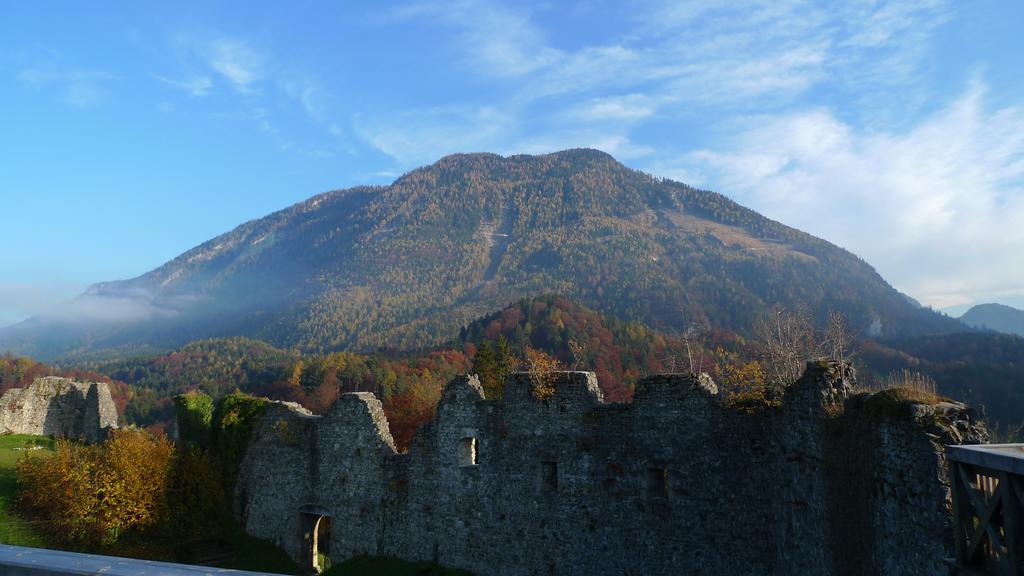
379 566
13 530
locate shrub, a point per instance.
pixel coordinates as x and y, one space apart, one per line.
92 494
194 412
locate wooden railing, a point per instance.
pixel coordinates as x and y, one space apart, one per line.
987 483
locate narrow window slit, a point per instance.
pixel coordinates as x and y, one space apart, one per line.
467 452
657 482
549 476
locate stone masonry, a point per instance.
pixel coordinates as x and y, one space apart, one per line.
672 483
53 406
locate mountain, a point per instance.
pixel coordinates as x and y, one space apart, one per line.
406 265
998 317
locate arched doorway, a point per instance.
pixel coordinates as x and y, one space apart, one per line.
316 537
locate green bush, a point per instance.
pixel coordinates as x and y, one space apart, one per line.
194 411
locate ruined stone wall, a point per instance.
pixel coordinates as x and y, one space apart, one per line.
673 483
54 406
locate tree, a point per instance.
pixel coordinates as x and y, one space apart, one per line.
578 350
543 369
493 363
837 338
485 366
507 363
787 341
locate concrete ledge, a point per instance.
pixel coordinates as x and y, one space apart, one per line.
19 560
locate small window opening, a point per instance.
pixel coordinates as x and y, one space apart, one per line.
549 475
657 482
467 452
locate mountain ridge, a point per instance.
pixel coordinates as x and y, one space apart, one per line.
407 264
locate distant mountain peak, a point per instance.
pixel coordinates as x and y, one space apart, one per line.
997 317
407 264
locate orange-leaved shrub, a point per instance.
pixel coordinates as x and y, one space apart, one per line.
91 495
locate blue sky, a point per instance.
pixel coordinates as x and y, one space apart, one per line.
133 131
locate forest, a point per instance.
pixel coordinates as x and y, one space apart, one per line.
982 368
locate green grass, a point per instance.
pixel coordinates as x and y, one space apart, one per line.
380 566
14 530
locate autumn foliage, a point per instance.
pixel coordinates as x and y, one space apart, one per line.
91 495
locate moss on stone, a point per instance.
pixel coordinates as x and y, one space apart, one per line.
896 402
233 420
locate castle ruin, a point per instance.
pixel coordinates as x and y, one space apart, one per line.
53 406
673 483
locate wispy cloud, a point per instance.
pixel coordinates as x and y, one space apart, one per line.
738 57
936 208
78 88
500 41
619 146
19 301
628 107
237 62
196 86
36 79
421 136
880 24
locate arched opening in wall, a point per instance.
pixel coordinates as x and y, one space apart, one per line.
316 538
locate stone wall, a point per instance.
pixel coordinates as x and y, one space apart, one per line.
53 406
673 483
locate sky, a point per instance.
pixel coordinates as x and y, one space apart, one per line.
131 132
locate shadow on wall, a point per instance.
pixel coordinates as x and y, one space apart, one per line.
54 406
563 483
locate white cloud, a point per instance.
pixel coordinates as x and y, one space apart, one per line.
197 86
310 96
883 23
938 208
628 107
499 41
422 136
621 147
237 62
681 59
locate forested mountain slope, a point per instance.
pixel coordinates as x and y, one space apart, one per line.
406 265
998 317
985 369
